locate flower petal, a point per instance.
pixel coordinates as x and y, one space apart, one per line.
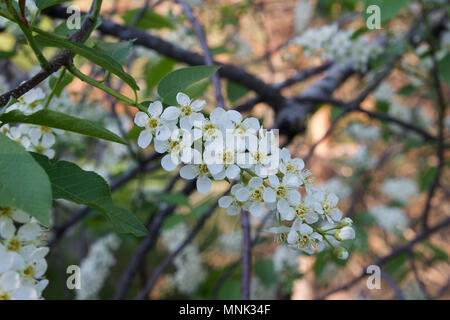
155 108
203 185
170 114
144 139
183 99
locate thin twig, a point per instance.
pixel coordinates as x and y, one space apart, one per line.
201 36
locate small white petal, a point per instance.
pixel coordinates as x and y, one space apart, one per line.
255 182
170 114
256 209
233 171
155 108
188 172
29 231
269 195
167 163
242 194
274 181
203 185
234 116
183 99
144 139
225 201
162 133
141 119
48 140
198 105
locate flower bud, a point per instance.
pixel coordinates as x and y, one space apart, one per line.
346 233
341 253
346 222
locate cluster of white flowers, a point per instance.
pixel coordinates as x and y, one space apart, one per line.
266 177
417 115
39 139
95 268
384 92
231 241
285 258
259 291
190 272
401 189
360 132
337 186
22 256
391 219
303 12
362 158
338 45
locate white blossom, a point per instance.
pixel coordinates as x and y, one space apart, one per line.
95 267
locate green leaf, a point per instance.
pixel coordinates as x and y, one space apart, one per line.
58 88
235 91
444 69
58 120
154 73
42 4
197 89
265 271
23 183
119 51
70 182
149 20
177 199
389 8
173 220
406 90
96 56
181 79
426 178
7 54
230 290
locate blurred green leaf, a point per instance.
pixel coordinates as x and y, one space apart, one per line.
178 199
119 51
42 4
265 271
179 80
149 20
426 177
230 290
23 183
235 91
444 69
154 73
389 8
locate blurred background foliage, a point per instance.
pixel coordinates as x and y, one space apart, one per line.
354 161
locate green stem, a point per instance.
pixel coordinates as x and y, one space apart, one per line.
120 97
27 33
322 234
52 94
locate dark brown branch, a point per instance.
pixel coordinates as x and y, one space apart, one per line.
246 256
